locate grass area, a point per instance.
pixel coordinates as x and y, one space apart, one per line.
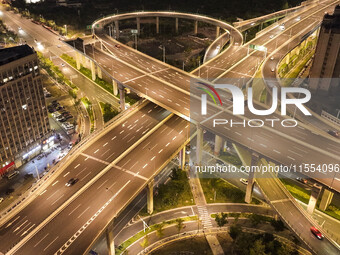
217 190
121 248
108 111
197 245
260 217
297 191
231 158
88 105
333 211
175 193
289 77
54 71
102 83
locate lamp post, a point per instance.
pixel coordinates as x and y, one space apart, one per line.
65 26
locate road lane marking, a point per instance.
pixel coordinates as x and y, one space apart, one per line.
105 144
76 166
9 224
96 151
277 151
74 209
57 199
51 243
290 158
52 186
101 185
41 240
43 192
20 226
66 174
83 212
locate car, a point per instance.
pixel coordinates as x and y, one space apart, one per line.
1 199
271 36
71 182
272 58
62 64
58 45
56 115
117 46
244 181
218 47
316 232
19 28
273 69
67 117
63 119
301 180
333 133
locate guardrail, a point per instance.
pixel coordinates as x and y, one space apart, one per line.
76 149
330 117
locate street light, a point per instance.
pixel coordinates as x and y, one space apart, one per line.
65 26
162 47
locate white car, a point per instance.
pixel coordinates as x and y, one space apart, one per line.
273 69
1 199
56 114
272 58
244 181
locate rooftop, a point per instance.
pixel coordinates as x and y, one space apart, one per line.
11 54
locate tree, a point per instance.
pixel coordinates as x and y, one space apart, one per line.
180 225
160 230
278 225
255 219
221 219
258 248
234 231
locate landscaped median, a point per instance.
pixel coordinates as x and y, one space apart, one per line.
88 106
179 223
102 83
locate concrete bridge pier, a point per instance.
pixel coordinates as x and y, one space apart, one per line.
251 179
99 72
93 70
217 31
78 59
176 25
121 96
315 192
218 145
150 196
117 29
138 25
157 25
109 239
326 199
115 87
196 27
182 158
248 159
199 145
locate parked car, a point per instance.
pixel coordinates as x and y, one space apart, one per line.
1 199
316 232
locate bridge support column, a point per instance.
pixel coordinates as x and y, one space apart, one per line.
93 70
218 145
261 26
199 145
315 192
114 87
182 158
176 25
117 29
99 72
138 26
157 25
78 60
217 32
251 176
109 240
326 199
196 27
122 97
150 196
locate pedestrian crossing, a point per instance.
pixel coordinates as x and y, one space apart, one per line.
204 216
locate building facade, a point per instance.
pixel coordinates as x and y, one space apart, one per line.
325 71
24 120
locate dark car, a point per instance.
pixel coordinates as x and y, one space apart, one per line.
68 116
316 232
71 182
333 133
301 180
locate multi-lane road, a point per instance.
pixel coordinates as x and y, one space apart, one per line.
108 180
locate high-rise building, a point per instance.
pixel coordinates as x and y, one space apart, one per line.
23 115
325 71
